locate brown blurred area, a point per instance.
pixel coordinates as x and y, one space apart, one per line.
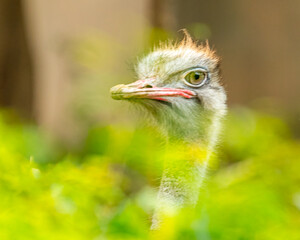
16 75
58 59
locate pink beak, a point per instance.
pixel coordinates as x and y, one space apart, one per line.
146 89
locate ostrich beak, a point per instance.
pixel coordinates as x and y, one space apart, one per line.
146 89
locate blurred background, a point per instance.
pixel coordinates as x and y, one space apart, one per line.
58 60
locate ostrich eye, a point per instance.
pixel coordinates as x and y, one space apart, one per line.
195 78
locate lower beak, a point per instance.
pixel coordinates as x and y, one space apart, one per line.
142 89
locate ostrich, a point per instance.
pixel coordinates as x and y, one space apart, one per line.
179 85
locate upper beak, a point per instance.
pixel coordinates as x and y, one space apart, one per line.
146 89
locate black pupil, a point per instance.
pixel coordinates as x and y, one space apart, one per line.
197 76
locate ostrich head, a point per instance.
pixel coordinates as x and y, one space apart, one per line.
179 85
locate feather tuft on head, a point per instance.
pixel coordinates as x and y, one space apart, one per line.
188 44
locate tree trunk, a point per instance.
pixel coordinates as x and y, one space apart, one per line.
16 78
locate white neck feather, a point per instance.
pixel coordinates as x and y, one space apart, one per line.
184 172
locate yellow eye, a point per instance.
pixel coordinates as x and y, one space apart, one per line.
195 78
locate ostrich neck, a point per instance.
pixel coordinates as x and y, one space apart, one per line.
184 172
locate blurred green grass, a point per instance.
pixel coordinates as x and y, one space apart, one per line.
106 188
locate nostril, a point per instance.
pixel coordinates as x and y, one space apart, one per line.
148 86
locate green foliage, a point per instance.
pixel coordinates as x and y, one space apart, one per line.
108 189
